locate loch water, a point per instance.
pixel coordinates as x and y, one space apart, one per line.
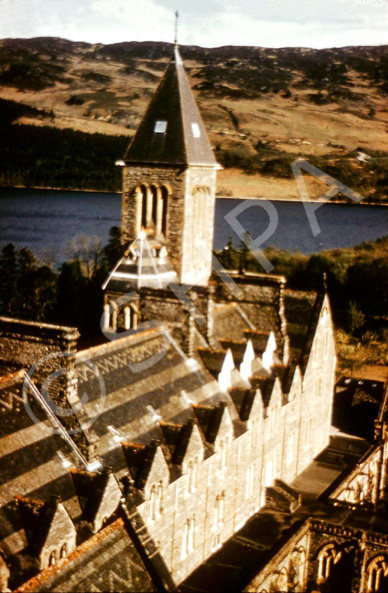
49 218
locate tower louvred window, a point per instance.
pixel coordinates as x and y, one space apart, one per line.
196 131
160 127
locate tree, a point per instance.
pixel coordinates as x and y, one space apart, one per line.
8 279
112 251
356 319
87 251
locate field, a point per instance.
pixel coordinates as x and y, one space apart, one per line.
263 108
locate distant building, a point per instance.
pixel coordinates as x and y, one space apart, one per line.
194 448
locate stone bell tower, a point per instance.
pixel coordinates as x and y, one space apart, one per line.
169 178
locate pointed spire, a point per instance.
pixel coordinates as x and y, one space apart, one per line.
172 131
176 28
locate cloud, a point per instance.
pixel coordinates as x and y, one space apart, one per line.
209 23
145 20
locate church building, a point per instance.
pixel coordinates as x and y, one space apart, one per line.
193 449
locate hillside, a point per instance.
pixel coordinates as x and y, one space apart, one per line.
263 108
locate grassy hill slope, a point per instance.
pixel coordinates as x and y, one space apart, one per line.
263 108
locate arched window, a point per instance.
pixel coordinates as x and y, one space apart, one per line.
280 580
164 199
192 473
188 540
297 569
156 500
159 499
219 511
53 558
223 453
63 550
127 318
378 575
143 191
327 557
254 432
290 448
154 206
153 494
268 473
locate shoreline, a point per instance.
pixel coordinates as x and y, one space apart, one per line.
288 200
58 189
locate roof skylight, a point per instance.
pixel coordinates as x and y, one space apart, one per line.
160 127
195 129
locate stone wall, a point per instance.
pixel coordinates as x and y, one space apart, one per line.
261 299
326 557
180 317
318 388
47 353
185 220
231 485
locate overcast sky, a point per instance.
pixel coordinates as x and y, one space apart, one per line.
208 23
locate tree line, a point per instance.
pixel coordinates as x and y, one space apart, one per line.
356 279
33 290
43 156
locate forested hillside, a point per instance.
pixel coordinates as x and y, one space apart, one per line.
262 107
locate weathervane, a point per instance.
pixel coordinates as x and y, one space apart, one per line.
176 27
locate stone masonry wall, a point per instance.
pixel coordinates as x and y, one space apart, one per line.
47 353
181 229
274 446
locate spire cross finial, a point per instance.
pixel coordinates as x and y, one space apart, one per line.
176 28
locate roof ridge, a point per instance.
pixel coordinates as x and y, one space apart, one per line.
172 131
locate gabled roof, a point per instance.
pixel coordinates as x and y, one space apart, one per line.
34 462
172 131
177 437
139 459
209 419
38 517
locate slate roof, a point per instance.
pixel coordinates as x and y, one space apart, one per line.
144 376
229 320
357 403
107 561
301 309
172 131
31 466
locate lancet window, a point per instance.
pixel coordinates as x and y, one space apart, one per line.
188 536
152 204
378 575
328 556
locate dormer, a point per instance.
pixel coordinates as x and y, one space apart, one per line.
184 441
156 484
139 460
275 402
187 449
224 434
209 419
243 398
296 385
99 495
268 355
49 529
246 366
225 376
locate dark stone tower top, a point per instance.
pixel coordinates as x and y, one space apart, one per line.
172 131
